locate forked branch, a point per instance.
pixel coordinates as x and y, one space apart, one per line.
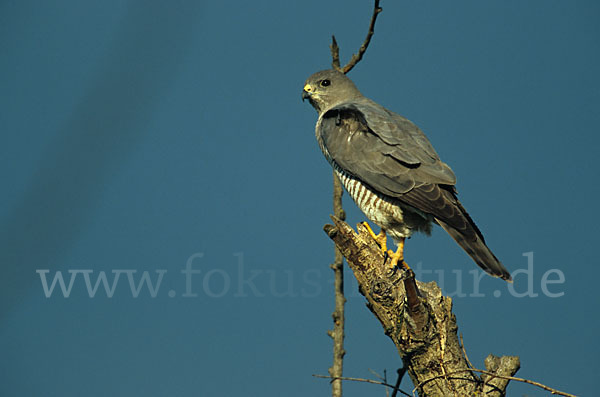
335 49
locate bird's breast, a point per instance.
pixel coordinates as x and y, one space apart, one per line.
378 208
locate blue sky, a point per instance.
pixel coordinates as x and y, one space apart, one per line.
153 137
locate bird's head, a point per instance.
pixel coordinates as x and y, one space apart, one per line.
328 88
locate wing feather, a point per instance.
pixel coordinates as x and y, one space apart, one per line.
394 157
364 140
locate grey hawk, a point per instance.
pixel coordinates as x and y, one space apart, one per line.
390 169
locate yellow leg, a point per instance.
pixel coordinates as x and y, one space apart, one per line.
398 256
380 238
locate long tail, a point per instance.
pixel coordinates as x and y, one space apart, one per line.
476 248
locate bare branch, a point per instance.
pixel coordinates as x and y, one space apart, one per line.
387 392
374 382
335 50
462 344
493 375
363 48
401 372
337 334
382 378
335 54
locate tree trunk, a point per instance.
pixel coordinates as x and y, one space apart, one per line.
419 320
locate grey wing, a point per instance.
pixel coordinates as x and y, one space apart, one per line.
366 142
397 130
396 159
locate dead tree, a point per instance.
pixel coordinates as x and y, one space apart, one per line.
419 320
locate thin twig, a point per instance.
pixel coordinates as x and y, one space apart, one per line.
530 382
382 378
469 365
375 382
335 54
401 372
335 50
337 334
377 375
462 344
387 392
363 48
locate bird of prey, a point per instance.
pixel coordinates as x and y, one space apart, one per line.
390 170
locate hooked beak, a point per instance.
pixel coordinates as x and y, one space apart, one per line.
307 91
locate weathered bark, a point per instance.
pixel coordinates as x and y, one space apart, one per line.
418 319
503 366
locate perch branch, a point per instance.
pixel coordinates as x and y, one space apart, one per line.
415 315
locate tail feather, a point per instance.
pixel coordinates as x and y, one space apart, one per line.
478 251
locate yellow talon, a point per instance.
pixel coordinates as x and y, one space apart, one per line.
380 238
398 256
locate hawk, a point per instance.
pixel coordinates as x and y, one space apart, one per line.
390 170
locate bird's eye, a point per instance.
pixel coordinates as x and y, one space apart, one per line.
325 83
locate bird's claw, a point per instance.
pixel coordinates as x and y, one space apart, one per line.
380 239
398 256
